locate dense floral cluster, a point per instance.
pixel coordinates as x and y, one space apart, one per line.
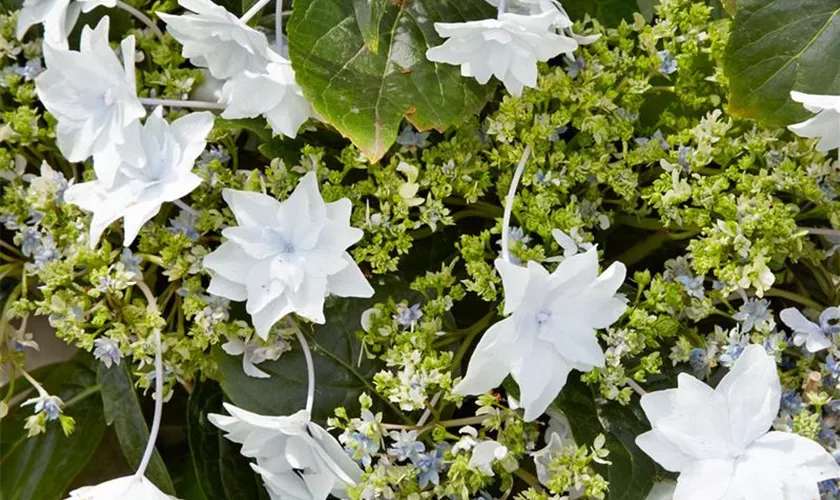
727 230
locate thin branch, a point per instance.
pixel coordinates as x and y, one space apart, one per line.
151 101
511 196
142 17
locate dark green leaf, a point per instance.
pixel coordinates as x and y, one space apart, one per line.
123 411
369 17
632 473
222 473
609 12
339 375
777 46
42 467
365 95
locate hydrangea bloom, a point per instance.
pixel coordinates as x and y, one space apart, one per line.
825 124
153 166
107 351
254 354
285 257
272 93
125 488
815 337
215 39
550 331
517 42
717 439
296 458
57 16
90 93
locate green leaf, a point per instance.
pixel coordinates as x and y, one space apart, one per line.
609 12
221 471
632 473
777 46
123 411
369 17
43 466
340 378
366 94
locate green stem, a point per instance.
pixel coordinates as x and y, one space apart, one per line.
529 479
795 297
94 389
470 335
644 248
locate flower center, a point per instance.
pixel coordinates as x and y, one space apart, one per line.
543 317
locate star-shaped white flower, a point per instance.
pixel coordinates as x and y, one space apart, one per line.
550 330
273 93
285 257
90 93
516 42
825 124
297 459
815 337
253 354
125 488
57 16
215 39
153 166
718 439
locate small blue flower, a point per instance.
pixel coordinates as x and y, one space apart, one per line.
31 239
362 445
45 252
732 351
555 135
30 70
406 446
574 66
829 489
657 136
408 316
754 314
684 153
833 366
828 436
212 153
411 138
130 262
50 405
668 63
107 351
698 360
184 224
105 283
693 285
791 402
430 465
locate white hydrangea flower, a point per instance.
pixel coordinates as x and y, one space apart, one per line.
253 354
273 93
297 459
90 93
718 439
215 39
517 43
57 16
536 7
285 257
825 125
550 331
484 454
153 166
815 337
125 488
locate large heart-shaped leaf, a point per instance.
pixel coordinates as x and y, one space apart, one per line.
777 46
42 467
122 410
632 473
221 471
366 93
341 372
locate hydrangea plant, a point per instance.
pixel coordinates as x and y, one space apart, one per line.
419 249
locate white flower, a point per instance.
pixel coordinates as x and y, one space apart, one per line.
285 257
296 458
125 488
825 124
153 166
484 454
254 354
93 97
815 337
717 439
272 93
57 16
215 39
550 331
536 7
516 43
544 456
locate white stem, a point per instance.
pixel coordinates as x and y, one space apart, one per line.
426 414
636 387
153 433
278 27
151 101
501 7
253 10
142 17
186 208
310 370
822 231
511 196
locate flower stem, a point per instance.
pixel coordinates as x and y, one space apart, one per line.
636 387
501 7
278 27
822 231
426 414
186 208
511 196
529 479
151 101
247 16
41 392
153 433
310 369
143 18
795 297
